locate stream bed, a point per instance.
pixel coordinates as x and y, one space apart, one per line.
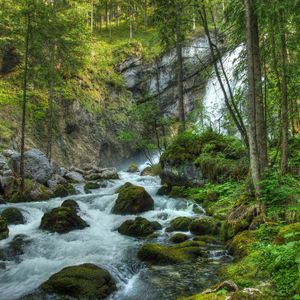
101 244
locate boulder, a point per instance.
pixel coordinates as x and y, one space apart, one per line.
54 181
178 238
3 229
101 173
164 190
163 255
240 245
132 199
74 176
91 186
204 226
86 281
9 153
36 165
64 190
180 224
12 215
71 204
133 168
139 227
62 220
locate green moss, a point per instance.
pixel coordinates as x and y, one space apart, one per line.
180 253
288 233
179 224
4 231
71 204
91 186
64 190
85 281
177 191
12 215
153 170
178 238
209 296
133 168
203 226
241 244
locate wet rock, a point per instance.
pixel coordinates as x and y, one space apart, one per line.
91 186
2 201
132 199
62 220
204 226
180 224
69 203
178 238
64 190
9 153
227 285
4 231
86 281
101 173
205 238
156 225
133 168
160 255
139 227
36 165
164 190
12 215
74 177
148 171
54 181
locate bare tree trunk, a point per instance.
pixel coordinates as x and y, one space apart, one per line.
180 70
92 15
23 127
130 21
284 102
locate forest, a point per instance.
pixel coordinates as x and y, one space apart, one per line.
150 149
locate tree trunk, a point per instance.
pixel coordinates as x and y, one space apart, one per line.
180 70
92 15
130 21
23 127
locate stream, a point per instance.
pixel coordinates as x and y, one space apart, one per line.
101 244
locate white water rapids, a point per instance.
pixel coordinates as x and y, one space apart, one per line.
100 243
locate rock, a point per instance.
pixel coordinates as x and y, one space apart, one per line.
164 190
9 153
156 225
71 204
208 296
161 255
148 171
74 177
227 285
64 190
133 168
139 227
205 238
1 186
36 165
288 233
203 226
91 186
250 294
2 201
101 173
12 215
62 220
180 224
86 281
132 199
178 238
57 169
54 181
240 245
3 162
4 231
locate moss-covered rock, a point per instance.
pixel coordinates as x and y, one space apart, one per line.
252 294
178 238
209 296
204 226
153 170
240 245
12 215
71 204
161 255
205 238
164 190
288 233
91 186
85 281
132 199
62 220
139 227
180 224
133 168
64 190
3 229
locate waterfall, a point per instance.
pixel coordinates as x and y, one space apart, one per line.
214 109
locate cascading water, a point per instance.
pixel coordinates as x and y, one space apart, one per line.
100 243
214 101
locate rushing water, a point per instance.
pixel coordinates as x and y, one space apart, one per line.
100 243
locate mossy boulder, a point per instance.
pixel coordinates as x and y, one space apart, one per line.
132 199
253 294
164 190
133 168
180 224
12 215
62 220
205 238
86 281
153 170
178 238
163 255
204 226
209 296
288 233
3 229
71 204
240 245
64 190
91 186
139 227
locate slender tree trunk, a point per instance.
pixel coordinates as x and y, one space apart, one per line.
92 15
110 19
284 102
130 20
23 127
180 70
